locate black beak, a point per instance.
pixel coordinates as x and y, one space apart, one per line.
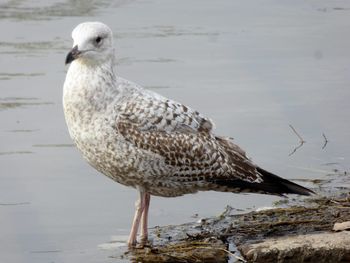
73 54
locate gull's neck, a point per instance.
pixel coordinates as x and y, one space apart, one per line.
89 88
87 71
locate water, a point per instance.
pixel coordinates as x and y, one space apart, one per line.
253 67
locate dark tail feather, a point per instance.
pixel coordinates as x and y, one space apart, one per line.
272 184
275 184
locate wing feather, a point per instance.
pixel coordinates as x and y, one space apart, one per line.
154 112
184 138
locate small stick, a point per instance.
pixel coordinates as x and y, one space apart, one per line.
325 141
233 255
301 140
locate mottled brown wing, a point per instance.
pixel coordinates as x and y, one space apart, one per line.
184 141
190 154
151 111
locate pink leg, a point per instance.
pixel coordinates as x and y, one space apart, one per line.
139 207
144 219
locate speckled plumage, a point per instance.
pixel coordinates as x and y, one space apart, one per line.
141 139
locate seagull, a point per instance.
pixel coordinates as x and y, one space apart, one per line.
141 139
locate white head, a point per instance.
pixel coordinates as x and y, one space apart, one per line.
92 43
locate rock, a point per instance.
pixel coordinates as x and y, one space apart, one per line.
320 248
341 226
292 234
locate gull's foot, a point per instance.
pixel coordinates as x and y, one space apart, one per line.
144 239
144 242
132 243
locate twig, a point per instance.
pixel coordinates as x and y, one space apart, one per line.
297 134
325 141
233 255
296 148
301 140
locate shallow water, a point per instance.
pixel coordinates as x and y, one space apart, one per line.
254 68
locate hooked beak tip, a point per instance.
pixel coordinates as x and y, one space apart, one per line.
72 55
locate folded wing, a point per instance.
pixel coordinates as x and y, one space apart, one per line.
184 139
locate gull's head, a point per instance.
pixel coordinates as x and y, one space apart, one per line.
92 43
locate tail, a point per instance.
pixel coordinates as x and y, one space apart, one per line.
276 185
271 184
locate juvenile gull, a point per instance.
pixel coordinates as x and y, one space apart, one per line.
141 139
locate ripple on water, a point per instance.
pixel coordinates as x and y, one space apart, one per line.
59 145
16 102
15 152
48 10
33 48
8 76
160 31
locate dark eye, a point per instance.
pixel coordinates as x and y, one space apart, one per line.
98 40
